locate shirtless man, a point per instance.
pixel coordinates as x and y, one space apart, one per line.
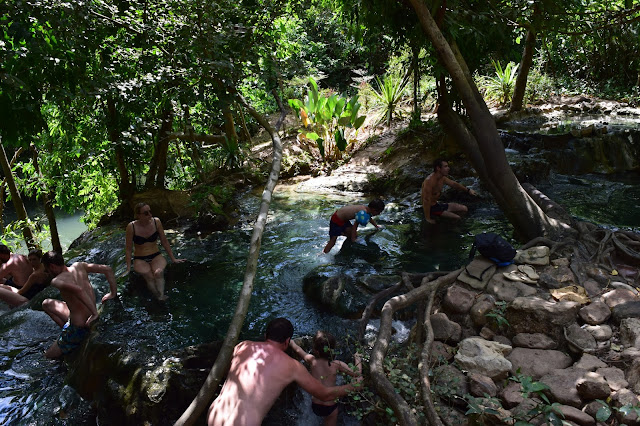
259 372
432 189
340 223
15 269
78 310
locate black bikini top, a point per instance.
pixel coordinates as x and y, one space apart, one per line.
139 240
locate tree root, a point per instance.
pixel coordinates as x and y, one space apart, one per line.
379 378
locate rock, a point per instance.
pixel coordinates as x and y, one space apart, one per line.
511 395
562 385
633 376
537 362
452 382
533 256
592 287
601 332
441 353
575 415
491 413
534 341
535 315
623 398
614 377
618 296
579 340
617 284
487 334
480 356
458 300
484 304
593 407
626 310
561 261
630 332
593 386
335 291
444 329
449 415
595 313
590 363
375 283
478 273
479 385
507 290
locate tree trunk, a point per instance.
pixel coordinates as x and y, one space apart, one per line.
416 82
523 71
482 142
158 167
21 212
47 198
126 187
223 360
229 124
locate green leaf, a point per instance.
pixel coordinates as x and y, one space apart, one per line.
341 142
320 143
603 413
313 136
359 121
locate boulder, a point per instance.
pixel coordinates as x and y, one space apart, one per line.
451 382
537 362
614 377
630 332
595 313
507 290
626 310
579 339
534 341
589 362
533 256
458 300
535 315
484 305
480 356
444 329
480 385
478 273
593 386
562 385
572 414
601 333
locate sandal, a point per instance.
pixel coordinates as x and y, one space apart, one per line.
518 277
528 271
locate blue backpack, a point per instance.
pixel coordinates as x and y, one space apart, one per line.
494 247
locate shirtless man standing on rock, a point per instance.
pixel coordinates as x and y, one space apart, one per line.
259 372
15 268
432 189
78 310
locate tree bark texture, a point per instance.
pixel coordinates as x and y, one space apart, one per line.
21 212
223 360
523 71
125 185
47 199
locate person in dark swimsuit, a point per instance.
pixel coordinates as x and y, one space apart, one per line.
37 281
142 241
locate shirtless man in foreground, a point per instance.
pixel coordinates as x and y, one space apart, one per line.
15 268
432 189
78 310
259 372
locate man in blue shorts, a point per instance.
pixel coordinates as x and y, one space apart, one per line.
432 189
78 310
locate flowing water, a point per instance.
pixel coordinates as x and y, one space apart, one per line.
203 292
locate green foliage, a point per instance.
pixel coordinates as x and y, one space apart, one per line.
391 91
500 87
12 233
328 120
604 412
497 315
402 371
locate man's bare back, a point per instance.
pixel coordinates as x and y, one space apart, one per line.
80 302
18 268
258 374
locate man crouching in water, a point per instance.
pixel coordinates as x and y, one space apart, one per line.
259 372
78 310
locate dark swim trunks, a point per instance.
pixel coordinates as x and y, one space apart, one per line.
71 337
148 258
337 226
36 288
323 410
438 208
9 281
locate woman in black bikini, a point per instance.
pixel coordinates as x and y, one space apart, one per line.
37 281
147 259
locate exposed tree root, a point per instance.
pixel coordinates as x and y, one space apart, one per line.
379 378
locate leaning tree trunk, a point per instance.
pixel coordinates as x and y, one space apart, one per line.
523 71
126 186
223 360
482 142
158 167
47 198
21 212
